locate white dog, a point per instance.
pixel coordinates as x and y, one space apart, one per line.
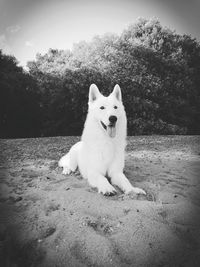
100 152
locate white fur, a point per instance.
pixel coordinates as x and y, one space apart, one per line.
99 153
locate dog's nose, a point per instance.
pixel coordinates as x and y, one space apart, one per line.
112 119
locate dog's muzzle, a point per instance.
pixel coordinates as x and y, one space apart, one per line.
110 128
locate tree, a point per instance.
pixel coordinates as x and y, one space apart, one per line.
19 110
157 69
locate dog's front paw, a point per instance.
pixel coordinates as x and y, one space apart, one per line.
136 190
107 189
66 171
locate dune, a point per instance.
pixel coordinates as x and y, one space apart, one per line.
48 219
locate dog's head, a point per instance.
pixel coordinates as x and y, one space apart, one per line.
106 111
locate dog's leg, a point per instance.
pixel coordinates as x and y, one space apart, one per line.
123 183
64 163
69 161
101 183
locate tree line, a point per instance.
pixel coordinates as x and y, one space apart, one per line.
157 69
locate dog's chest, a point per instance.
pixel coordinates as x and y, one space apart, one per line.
106 152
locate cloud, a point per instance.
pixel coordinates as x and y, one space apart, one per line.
29 44
13 29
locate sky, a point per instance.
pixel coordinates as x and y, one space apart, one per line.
28 27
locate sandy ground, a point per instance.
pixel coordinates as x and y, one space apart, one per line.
48 219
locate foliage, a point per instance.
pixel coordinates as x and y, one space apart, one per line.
19 108
157 69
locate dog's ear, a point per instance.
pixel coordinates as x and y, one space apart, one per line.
117 92
93 93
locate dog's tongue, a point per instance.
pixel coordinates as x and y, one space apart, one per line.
111 131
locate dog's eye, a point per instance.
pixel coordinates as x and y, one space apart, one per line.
102 107
115 107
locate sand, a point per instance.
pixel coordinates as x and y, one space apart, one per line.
48 219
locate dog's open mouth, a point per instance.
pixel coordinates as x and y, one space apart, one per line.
110 129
